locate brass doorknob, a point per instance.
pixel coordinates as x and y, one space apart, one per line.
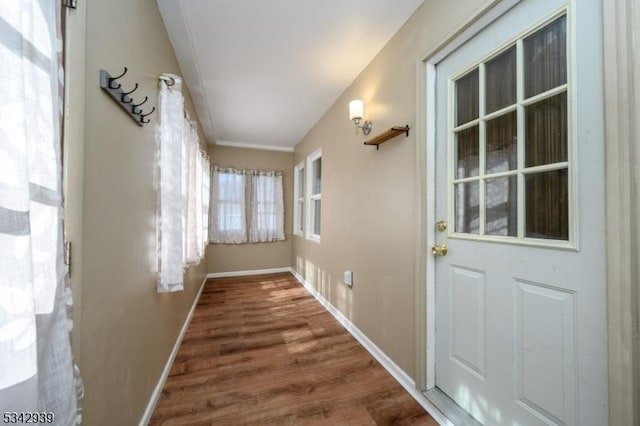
439 250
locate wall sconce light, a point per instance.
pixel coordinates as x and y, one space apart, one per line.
356 113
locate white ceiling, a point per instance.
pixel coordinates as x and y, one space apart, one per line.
263 72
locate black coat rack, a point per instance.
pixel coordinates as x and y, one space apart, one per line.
114 89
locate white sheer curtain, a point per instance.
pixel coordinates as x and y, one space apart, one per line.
171 252
206 202
182 196
227 223
37 370
195 196
267 207
201 213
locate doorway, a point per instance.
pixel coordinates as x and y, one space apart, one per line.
517 273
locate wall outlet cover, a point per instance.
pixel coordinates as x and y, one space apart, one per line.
348 278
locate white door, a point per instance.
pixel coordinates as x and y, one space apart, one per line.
520 293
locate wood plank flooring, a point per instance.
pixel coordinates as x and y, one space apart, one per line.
261 350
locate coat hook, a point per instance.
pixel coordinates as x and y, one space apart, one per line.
132 90
146 98
112 79
124 96
134 107
142 116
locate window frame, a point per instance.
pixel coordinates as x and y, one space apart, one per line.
299 199
310 198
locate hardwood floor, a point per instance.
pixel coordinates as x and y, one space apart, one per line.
261 350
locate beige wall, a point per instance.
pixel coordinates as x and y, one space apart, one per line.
127 330
369 197
247 257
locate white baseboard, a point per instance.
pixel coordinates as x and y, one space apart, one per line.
167 368
251 272
401 377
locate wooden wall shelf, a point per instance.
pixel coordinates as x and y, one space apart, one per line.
389 134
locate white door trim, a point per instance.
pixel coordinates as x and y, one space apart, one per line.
622 100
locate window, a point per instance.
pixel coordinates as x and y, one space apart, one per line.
36 366
298 207
267 207
314 195
228 221
182 168
510 175
229 210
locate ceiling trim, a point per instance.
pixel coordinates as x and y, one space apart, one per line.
255 146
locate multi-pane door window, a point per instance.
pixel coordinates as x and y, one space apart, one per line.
510 174
298 208
314 195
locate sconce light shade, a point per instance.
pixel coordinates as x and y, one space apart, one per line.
356 109
356 112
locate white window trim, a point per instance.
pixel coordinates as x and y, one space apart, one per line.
309 198
298 200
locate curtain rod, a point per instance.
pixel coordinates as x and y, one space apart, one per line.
170 80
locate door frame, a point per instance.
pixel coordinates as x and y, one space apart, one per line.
622 100
622 206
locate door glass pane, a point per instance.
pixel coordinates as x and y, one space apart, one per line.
545 58
547 205
546 131
467 102
501 206
467 207
501 142
467 152
500 81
